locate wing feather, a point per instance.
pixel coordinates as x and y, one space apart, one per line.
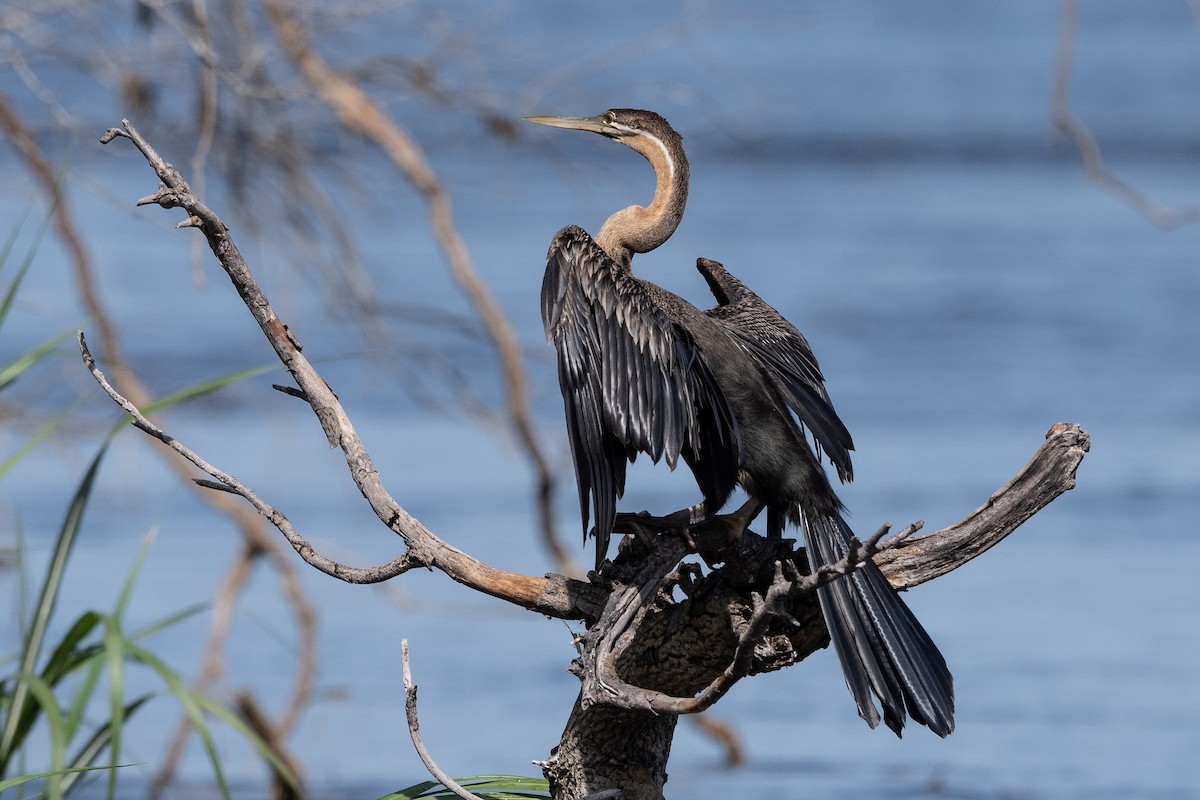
633 381
785 355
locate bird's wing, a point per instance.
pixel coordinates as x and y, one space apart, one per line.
633 381
784 353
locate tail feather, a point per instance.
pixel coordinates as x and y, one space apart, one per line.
883 648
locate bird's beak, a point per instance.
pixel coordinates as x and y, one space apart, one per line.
593 124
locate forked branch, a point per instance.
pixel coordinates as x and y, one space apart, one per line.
615 612
553 595
905 560
629 606
1090 153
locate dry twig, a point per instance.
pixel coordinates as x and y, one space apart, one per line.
360 114
256 541
615 612
553 595
1089 149
414 730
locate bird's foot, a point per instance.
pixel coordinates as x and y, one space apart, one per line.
627 522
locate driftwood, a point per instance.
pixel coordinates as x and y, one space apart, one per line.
664 636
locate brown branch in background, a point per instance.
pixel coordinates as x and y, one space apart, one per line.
360 114
211 667
253 534
724 734
268 732
1089 149
207 127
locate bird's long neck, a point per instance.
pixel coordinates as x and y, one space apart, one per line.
639 230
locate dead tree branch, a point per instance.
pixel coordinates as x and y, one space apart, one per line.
356 110
647 657
1089 149
414 731
256 541
628 607
1048 474
552 595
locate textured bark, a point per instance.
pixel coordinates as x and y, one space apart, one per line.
679 648
684 643
661 634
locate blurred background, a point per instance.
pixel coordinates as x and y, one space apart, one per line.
908 183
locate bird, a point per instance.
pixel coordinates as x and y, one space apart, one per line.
732 391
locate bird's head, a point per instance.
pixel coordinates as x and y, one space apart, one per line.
644 131
636 229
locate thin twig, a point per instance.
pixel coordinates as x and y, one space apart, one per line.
356 110
414 730
252 532
554 595
234 486
1089 149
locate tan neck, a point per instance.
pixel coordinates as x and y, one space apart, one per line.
639 230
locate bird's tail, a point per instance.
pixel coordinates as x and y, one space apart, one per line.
883 648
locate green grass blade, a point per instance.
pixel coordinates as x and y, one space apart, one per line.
492 787
40 436
114 658
12 237
130 579
18 367
188 701
412 792
114 649
9 742
231 718
11 293
67 654
87 688
168 621
25 263
94 746
44 695
22 779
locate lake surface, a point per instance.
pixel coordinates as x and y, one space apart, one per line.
888 180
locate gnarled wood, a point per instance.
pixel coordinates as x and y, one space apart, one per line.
657 651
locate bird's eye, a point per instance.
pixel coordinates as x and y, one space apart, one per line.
610 117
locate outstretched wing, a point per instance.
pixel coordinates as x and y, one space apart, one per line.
784 353
633 381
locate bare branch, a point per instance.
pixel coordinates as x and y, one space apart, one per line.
232 485
254 535
410 711
1089 149
359 113
1048 474
553 595
629 606
906 562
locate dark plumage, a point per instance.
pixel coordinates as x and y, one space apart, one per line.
731 390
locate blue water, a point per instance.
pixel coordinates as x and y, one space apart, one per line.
888 178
